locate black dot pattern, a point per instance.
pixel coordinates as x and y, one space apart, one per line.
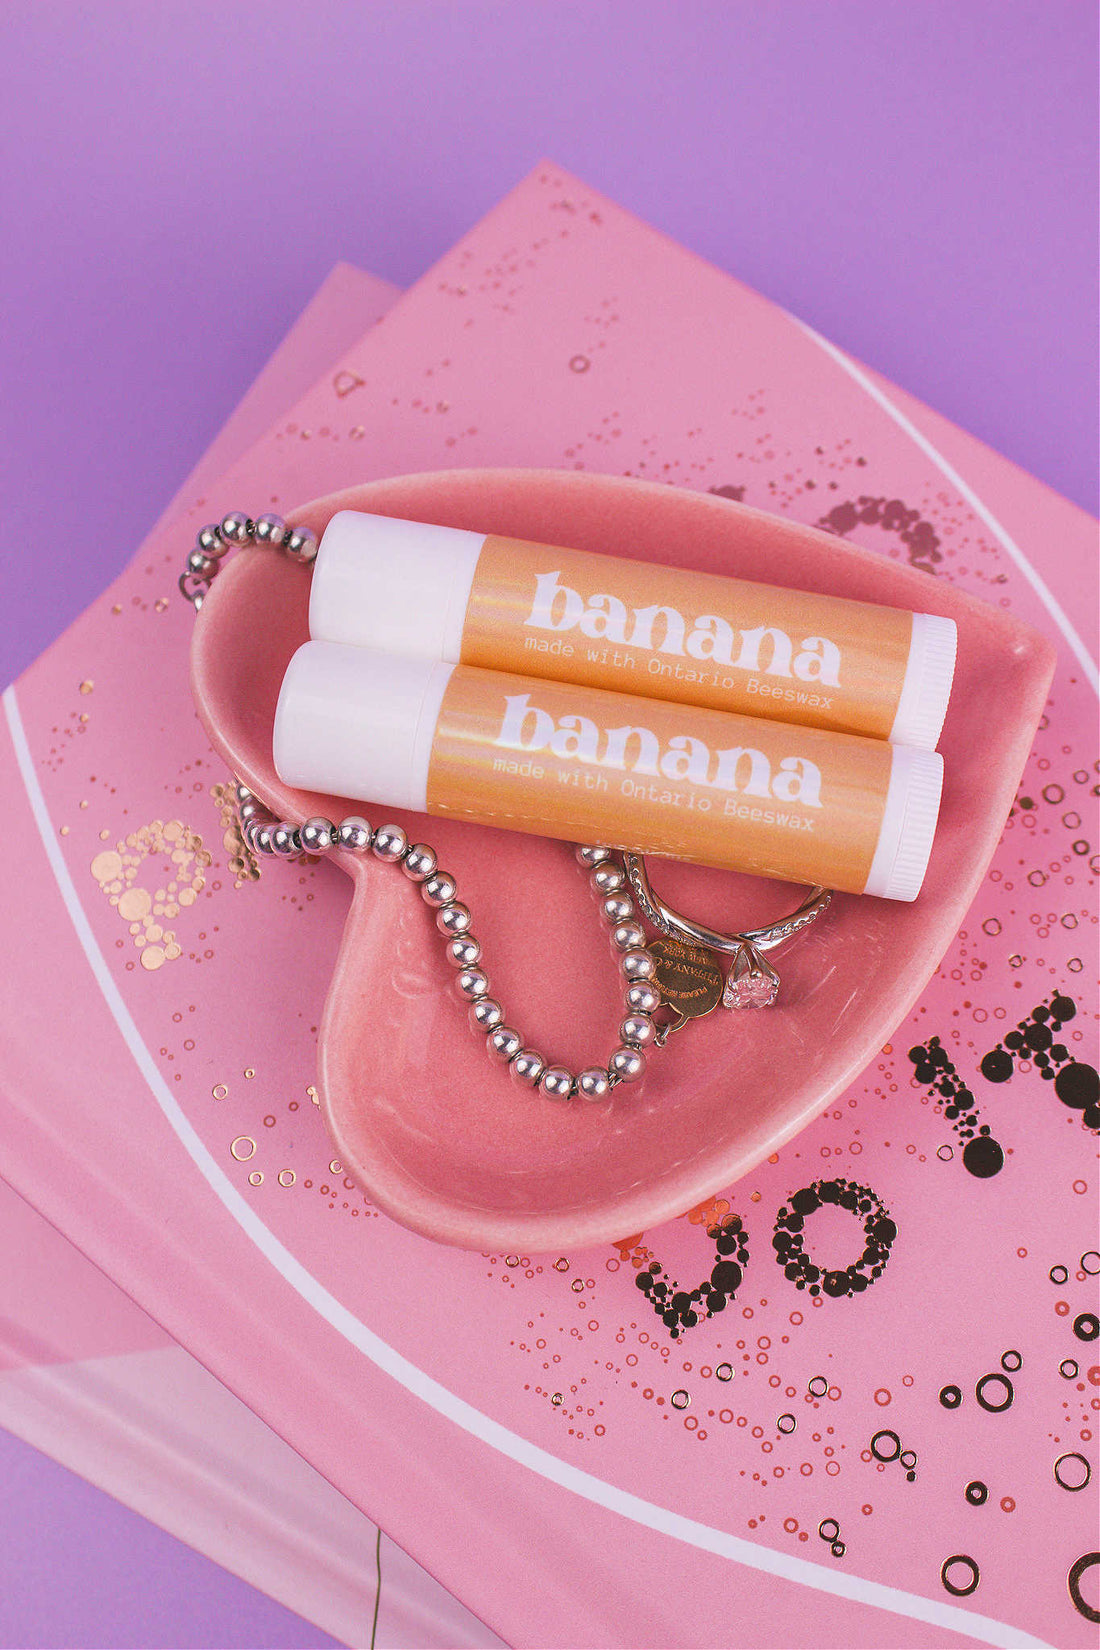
681 1309
915 532
879 1233
982 1156
1035 1038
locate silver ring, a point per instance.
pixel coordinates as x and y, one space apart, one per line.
751 982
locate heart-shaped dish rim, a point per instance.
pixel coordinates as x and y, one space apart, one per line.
437 1136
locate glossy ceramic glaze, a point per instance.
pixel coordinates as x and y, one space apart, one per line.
443 1140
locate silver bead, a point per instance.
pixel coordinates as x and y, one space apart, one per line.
419 862
556 1083
627 1064
389 843
353 834
210 541
463 951
486 1014
617 908
593 1084
502 1043
453 918
301 544
250 810
269 530
285 839
642 998
637 965
202 565
235 528
591 856
607 879
638 1030
318 835
262 838
439 889
242 792
527 1067
627 936
472 983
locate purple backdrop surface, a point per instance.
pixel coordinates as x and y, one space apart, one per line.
76 1568
917 182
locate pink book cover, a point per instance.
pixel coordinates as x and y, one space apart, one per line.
92 1380
900 1467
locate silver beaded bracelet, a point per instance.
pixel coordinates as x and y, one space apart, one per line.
669 981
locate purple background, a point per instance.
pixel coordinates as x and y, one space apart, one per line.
917 181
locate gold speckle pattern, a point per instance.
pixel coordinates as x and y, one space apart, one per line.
242 861
177 883
344 382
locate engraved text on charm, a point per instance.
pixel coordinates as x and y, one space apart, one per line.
752 982
687 977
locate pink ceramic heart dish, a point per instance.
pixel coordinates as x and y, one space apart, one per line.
441 1139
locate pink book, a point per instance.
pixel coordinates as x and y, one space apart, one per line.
897 1467
92 1380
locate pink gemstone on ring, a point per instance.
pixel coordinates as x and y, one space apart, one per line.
751 982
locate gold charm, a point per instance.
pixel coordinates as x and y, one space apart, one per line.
688 978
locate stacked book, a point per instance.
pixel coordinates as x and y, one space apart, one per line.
211 1320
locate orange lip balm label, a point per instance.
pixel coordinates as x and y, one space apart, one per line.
586 765
687 783
692 638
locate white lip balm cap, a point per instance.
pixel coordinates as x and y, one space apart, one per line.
398 586
926 687
354 723
908 824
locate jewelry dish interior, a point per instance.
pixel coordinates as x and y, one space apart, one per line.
438 1136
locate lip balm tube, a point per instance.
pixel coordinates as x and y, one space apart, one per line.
442 593
800 804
